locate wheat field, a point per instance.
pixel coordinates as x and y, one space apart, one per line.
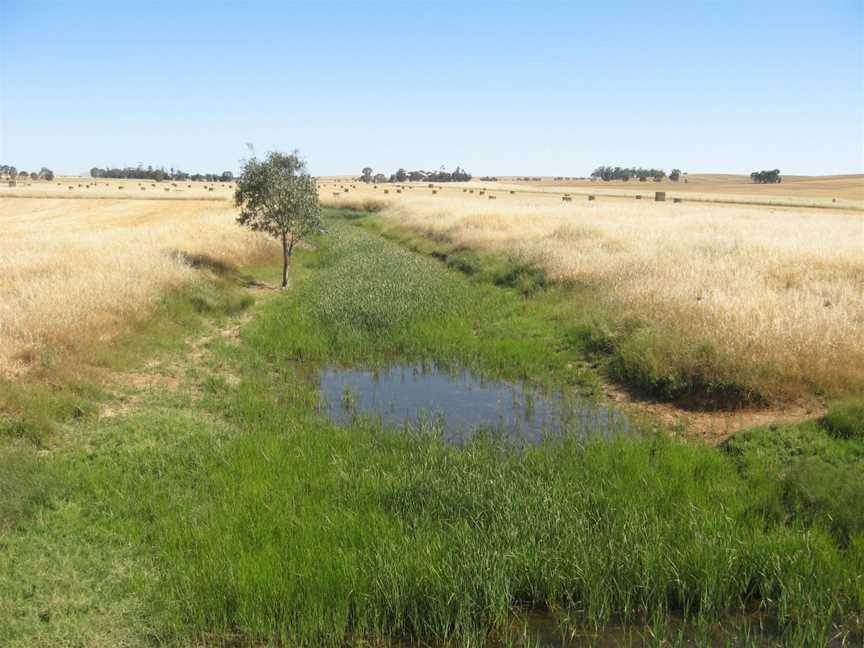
77 270
778 292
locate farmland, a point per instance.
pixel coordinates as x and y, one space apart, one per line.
167 474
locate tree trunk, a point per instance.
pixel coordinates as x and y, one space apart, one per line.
285 254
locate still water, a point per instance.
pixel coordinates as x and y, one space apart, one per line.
460 404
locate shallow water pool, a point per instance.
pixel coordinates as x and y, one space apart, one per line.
460 404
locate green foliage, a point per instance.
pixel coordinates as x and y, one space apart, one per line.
667 367
766 177
845 419
805 474
278 197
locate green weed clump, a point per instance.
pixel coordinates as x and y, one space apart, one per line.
845 419
805 474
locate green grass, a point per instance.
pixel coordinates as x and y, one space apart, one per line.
69 384
232 512
845 419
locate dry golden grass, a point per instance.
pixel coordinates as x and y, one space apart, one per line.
78 270
779 293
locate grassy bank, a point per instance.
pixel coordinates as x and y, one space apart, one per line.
227 509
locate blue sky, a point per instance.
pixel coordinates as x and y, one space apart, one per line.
508 88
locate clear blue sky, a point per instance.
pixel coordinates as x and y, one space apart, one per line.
506 88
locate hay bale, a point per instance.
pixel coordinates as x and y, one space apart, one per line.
676 200
143 188
71 187
470 191
512 192
491 197
345 190
398 191
566 199
386 191
464 190
119 186
638 196
431 186
591 197
210 189
659 196
167 189
434 191
336 194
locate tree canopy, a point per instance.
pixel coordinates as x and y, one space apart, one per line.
401 175
160 174
608 173
277 196
766 177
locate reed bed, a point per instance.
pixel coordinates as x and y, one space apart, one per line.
78 271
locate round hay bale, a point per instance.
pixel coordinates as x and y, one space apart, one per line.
659 196
591 197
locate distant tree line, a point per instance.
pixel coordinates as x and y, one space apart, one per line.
12 174
766 177
608 173
160 174
401 175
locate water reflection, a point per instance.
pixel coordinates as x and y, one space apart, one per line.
460 404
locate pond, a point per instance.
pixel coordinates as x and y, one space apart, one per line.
460 404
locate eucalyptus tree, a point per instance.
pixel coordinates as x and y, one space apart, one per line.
277 196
